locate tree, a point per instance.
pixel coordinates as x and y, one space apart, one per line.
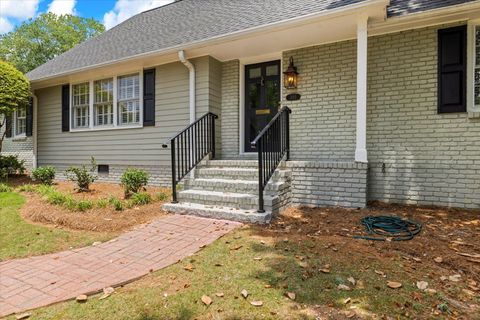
14 93
37 41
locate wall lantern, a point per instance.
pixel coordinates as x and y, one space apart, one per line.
290 76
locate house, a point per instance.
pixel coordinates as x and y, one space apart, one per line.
383 103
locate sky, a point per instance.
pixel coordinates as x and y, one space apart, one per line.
109 12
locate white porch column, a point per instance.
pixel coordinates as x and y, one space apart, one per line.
362 52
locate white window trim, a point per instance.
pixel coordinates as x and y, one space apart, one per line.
471 107
16 136
115 125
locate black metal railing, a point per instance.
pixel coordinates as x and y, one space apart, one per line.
190 146
272 145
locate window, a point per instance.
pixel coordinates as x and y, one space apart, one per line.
81 105
129 100
103 102
21 121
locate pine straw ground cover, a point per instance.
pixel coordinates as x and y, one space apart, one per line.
306 265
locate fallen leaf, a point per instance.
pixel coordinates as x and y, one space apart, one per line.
394 284
81 298
469 292
347 301
256 303
291 295
352 280
219 294
380 273
422 285
236 248
454 278
267 286
474 255
189 267
349 314
417 259
206 300
343 287
106 293
244 293
438 259
257 258
23 316
430 291
325 270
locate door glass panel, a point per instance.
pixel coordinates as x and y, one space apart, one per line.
477 46
272 93
255 73
254 95
477 87
272 70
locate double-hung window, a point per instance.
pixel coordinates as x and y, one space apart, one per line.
103 102
476 59
109 103
129 100
81 105
21 121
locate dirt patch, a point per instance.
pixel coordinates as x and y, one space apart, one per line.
99 219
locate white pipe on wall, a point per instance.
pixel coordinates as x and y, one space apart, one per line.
191 69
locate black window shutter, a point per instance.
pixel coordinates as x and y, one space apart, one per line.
66 108
452 67
149 97
8 126
29 119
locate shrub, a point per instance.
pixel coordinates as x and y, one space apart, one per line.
102 203
82 176
161 196
58 198
3 174
44 175
139 199
5 188
11 165
116 203
134 180
27 188
83 205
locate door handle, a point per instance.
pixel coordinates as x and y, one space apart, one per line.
262 81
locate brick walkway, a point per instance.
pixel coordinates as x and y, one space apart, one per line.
39 281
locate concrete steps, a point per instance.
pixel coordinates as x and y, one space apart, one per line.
228 189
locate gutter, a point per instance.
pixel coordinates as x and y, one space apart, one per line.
191 70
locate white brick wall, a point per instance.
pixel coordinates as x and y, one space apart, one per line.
230 109
430 158
21 147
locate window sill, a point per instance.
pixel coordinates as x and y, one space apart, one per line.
138 126
21 137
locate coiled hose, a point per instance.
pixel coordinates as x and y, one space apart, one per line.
389 227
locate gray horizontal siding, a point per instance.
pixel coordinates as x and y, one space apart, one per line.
125 147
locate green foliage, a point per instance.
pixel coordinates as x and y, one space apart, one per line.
11 165
27 188
82 176
39 40
44 175
116 203
84 205
5 188
161 196
14 88
3 174
58 198
133 180
102 203
139 199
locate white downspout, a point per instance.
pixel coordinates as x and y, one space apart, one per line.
191 69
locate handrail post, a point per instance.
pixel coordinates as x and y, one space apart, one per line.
174 174
260 177
213 136
287 129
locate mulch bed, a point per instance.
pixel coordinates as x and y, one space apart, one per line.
98 219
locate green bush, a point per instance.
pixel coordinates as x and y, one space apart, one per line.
3 174
44 175
82 176
11 165
83 205
139 199
14 88
161 196
116 203
58 198
5 188
27 188
102 203
133 180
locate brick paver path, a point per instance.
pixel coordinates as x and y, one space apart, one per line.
39 281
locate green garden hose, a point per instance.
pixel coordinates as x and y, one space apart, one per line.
389 227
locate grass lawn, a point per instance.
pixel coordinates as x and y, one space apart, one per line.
309 254
20 239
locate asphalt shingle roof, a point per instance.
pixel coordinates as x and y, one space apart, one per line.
188 21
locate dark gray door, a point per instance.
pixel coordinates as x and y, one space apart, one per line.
262 97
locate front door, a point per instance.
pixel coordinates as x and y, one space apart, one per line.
262 98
